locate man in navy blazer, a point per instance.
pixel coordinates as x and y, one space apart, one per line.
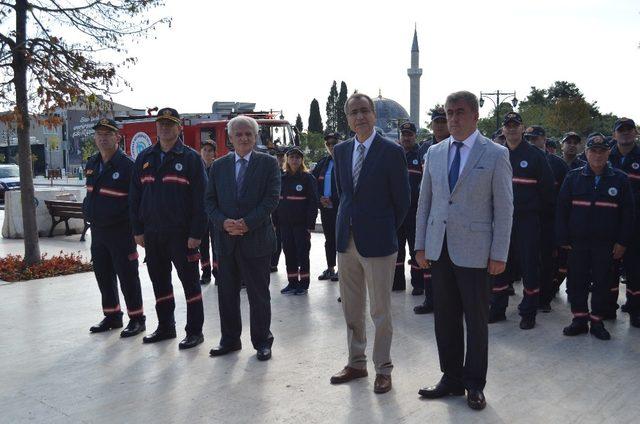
373 184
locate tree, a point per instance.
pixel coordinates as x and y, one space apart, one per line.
315 120
332 108
60 64
313 145
487 126
299 123
343 125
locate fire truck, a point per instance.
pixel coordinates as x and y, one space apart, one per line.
138 133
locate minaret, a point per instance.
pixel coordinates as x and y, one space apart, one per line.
415 72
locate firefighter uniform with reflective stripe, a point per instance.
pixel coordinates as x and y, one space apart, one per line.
630 165
167 206
113 250
532 194
593 214
407 231
297 212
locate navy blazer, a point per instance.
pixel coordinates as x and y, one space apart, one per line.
374 209
259 198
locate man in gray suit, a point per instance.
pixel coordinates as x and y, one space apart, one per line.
243 191
463 226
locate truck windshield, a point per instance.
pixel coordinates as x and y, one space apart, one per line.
275 135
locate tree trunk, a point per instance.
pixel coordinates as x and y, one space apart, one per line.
27 195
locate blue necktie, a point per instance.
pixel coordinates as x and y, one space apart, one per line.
454 172
240 177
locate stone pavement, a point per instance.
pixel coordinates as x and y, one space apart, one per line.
53 371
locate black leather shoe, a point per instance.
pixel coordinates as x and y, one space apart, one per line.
475 399
495 316
527 323
160 334
441 390
575 328
264 354
135 327
598 330
335 277
224 349
108 323
417 292
190 341
424 308
326 275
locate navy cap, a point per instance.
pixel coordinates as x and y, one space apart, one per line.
569 135
408 126
535 131
551 143
107 123
168 114
332 134
295 151
438 113
512 117
596 141
623 122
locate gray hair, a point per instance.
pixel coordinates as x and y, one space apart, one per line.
466 96
357 95
243 120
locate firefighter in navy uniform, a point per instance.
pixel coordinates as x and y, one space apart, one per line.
625 156
570 145
208 262
438 127
595 212
532 194
113 250
275 258
407 231
536 135
168 217
323 172
297 213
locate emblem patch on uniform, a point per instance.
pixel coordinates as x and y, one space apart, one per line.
524 164
146 165
415 161
613 191
298 187
116 175
178 167
635 165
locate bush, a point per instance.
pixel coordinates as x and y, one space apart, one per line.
13 268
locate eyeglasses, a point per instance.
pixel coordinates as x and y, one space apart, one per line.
355 112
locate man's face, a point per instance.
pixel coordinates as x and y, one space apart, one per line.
208 154
597 158
360 116
513 131
408 139
626 135
570 146
106 140
243 138
461 120
167 130
440 129
330 143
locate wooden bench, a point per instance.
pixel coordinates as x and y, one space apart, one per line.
63 211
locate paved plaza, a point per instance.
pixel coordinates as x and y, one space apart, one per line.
53 371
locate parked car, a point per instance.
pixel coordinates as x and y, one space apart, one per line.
9 179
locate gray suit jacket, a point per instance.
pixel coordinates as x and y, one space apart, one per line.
258 200
477 216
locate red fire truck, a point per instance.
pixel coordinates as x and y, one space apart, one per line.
274 131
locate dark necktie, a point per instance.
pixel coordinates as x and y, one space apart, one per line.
240 177
454 172
358 166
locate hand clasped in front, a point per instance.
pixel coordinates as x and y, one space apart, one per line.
235 227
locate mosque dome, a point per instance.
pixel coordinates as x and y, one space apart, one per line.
388 112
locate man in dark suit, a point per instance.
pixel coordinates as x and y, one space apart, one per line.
243 191
373 184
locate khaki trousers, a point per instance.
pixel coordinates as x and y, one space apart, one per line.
357 275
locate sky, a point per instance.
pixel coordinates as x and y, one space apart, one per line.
283 54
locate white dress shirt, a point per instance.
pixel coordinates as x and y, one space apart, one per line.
238 157
367 145
465 149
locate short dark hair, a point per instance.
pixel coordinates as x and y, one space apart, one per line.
357 95
466 96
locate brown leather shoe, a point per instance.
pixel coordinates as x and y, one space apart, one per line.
382 383
348 374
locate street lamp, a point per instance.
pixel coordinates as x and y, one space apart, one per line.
496 102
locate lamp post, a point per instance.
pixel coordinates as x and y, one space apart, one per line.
497 103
